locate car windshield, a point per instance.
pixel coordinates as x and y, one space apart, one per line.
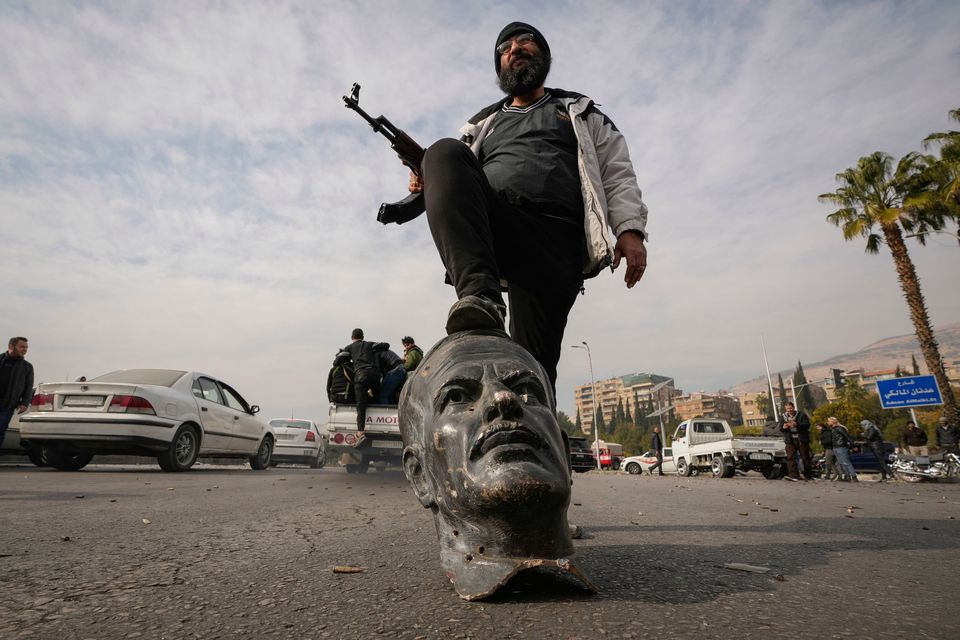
158 377
291 424
579 444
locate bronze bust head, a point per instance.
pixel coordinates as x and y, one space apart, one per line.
484 452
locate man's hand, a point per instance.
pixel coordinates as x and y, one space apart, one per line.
21 408
630 246
416 183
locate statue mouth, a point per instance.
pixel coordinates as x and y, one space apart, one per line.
506 434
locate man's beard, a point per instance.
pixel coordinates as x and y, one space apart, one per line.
521 81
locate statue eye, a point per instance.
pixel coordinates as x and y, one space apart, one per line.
456 394
529 392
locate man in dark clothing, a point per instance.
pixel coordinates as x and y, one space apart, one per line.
16 382
340 380
914 439
527 200
829 461
841 448
657 445
874 441
366 375
948 437
795 427
391 368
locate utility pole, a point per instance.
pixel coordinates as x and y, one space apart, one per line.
595 402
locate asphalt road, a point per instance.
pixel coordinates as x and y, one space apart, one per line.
128 552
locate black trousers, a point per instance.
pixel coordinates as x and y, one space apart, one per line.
365 383
658 465
483 239
885 470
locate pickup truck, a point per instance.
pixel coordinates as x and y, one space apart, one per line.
709 444
382 442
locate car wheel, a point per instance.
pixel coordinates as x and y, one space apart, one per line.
720 469
62 459
683 469
633 468
261 460
37 456
320 460
183 450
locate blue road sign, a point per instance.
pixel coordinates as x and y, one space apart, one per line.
915 391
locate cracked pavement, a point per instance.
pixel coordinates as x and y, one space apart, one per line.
225 552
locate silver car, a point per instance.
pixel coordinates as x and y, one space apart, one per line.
299 441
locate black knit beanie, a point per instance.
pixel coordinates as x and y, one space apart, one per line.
516 28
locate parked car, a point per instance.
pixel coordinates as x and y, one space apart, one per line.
611 455
581 455
861 457
298 441
174 416
638 464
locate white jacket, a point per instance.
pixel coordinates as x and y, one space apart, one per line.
611 195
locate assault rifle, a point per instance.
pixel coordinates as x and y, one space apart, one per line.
411 154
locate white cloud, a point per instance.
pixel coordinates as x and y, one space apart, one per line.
182 186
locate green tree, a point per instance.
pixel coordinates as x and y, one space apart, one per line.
805 401
621 414
873 195
781 394
629 417
898 373
579 421
914 365
944 197
565 424
764 406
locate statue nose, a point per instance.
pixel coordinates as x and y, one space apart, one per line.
505 404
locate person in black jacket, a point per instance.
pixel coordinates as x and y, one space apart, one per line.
366 375
16 382
795 426
391 368
340 380
948 437
657 445
841 448
829 460
874 440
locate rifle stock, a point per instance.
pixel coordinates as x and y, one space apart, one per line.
410 153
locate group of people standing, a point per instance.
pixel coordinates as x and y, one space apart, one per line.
365 372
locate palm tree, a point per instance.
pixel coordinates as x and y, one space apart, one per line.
943 199
872 197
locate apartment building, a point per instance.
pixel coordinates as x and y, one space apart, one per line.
707 405
633 390
750 411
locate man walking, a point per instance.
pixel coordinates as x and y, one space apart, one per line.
366 375
841 449
948 437
16 382
874 440
657 445
795 428
527 197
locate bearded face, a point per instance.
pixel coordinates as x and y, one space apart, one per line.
526 71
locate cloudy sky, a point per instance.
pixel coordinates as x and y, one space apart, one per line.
181 186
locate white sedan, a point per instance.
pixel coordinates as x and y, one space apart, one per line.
174 416
299 441
637 464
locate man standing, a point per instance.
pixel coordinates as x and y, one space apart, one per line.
528 199
16 382
657 445
915 440
795 428
874 440
366 376
948 437
412 354
829 460
841 449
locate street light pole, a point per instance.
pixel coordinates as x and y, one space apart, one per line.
595 402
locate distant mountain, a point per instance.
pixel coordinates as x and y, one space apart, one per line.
883 354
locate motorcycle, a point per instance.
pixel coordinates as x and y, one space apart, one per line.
939 466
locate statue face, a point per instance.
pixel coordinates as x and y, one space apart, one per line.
490 435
